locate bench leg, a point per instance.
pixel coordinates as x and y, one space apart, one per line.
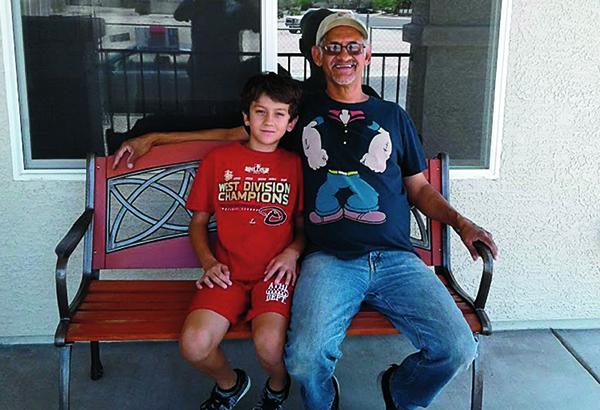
477 382
65 377
96 370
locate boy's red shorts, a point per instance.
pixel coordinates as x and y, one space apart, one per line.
244 300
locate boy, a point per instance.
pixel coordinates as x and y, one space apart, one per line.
255 191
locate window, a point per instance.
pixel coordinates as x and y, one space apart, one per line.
88 70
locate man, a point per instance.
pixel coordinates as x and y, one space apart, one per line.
363 165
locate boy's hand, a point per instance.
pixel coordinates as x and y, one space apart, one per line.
283 265
217 274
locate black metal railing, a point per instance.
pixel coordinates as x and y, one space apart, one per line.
141 82
399 64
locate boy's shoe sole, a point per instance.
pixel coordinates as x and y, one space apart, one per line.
246 388
384 382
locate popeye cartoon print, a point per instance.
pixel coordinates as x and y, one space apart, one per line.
363 203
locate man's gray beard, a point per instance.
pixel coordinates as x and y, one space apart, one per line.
344 81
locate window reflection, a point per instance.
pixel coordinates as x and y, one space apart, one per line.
95 65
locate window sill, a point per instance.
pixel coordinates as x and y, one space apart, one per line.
49 175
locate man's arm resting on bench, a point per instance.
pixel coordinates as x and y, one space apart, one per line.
134 148
427 200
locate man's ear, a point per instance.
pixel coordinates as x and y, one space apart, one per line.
316 55
292 124
368 55
246 119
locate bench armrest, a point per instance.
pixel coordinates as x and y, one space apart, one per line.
486 276
63 251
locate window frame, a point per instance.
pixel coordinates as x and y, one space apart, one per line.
498 101
18 131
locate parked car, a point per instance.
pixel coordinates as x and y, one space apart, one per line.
142 80
293 22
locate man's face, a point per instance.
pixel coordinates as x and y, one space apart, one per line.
343 68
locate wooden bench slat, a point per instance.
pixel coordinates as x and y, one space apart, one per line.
143 286
84 316
84 332
166 326
169 330
128 316
169 302
127 305
111 290
81 332
139 297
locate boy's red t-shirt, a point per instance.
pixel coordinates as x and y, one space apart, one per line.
255 197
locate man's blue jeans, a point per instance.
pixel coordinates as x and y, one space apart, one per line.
329 293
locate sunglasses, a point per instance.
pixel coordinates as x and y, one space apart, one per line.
334 49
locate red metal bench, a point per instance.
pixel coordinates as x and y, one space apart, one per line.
136 219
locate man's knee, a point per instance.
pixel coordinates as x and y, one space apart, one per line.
306 357
460 350
299 361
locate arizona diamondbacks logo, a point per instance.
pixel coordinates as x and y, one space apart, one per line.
273 215
277 292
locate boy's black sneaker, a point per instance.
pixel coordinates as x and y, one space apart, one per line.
227 399
384 382
336 389
272 400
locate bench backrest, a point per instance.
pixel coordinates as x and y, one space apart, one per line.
140 220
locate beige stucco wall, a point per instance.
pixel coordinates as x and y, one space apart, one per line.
544 210
33 217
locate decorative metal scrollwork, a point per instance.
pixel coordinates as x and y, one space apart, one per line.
419 229
129 225
132 221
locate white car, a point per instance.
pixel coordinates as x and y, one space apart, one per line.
293 22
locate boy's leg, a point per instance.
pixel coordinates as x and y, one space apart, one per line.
270 312
202 332
270 316
212 310
328 294
419 305
269 332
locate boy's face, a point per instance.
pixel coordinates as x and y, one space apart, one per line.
268 121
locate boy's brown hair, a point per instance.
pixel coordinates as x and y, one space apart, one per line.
277 87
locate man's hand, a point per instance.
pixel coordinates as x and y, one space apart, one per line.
132 149
216 274
284 266
470 232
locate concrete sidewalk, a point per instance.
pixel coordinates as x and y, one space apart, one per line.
543 369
